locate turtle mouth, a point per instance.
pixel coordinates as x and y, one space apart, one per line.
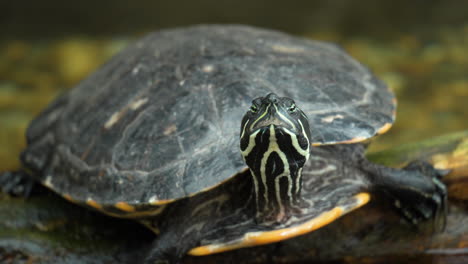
277 123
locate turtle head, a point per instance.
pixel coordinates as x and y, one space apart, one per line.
275 142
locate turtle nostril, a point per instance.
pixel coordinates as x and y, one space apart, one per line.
273 98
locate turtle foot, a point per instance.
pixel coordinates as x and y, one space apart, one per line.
16 183
167 249
425 199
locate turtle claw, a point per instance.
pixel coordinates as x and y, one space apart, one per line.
427 200
16 183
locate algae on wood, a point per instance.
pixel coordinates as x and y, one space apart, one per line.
47 229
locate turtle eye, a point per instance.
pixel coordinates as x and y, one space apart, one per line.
292 108
253 109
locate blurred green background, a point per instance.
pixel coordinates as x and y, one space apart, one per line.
419 47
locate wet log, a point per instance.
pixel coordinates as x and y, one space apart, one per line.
47 229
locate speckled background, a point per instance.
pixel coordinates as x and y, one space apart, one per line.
418 48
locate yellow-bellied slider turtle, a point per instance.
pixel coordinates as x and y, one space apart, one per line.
154 135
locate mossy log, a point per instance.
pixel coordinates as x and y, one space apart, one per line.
46 229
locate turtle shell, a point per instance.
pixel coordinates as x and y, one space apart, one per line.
160 121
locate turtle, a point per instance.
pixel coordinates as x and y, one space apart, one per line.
219 137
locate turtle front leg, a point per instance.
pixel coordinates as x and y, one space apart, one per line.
180 231
432 201
169 248
417 190
17 183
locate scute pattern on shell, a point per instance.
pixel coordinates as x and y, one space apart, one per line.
160 120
